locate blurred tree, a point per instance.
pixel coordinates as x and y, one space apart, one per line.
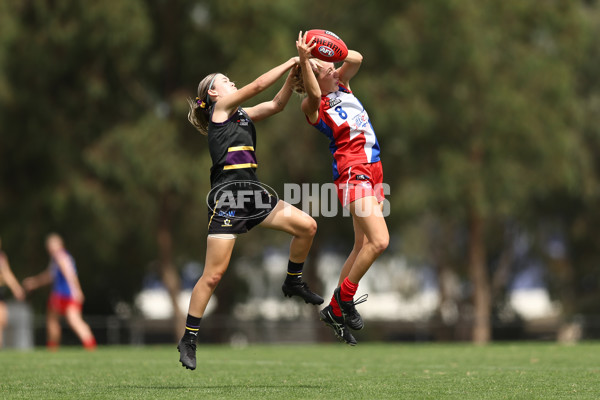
484 111
150 182
572 235
484 96
70 71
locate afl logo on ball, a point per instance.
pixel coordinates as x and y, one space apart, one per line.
326 51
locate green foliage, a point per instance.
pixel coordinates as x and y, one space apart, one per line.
485 96
476 104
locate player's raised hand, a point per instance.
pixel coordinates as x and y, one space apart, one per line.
304 48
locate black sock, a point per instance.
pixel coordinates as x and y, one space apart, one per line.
192 324
294 272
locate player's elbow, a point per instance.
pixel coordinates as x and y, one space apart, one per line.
354 57
277 106
260 84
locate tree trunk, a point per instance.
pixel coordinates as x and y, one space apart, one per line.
168 273
447 313
570 329
482 332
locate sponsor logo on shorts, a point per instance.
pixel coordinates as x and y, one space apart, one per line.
227 223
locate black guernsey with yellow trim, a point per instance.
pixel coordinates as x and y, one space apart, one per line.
232 148
231 145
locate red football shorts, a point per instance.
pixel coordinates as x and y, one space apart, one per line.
59 303
361 180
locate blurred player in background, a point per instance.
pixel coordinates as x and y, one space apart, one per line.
7 281
217 113
331 107
66 297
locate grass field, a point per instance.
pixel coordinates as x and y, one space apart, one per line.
325 371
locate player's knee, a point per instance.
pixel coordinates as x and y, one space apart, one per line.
311 227
380 243
308 228
212 280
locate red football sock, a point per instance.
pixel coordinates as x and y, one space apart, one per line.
52 345
90 344
335 307
348 290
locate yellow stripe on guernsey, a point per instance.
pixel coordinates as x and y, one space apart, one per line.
237 155
238 166
238 148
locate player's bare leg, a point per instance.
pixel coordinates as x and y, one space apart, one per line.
367 214
359 240
3 320
218 255
303 228
371 239
53 330
297 223
80 327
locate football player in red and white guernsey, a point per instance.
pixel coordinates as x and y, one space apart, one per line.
332 108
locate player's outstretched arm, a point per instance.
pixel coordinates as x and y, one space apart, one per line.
268 108
230 102
34 282
10 279
350 67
